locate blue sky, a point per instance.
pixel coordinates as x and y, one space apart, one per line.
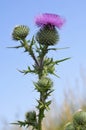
17 93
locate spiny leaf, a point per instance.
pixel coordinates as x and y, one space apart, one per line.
47 105
16 47
54 49
56 75
58 61
27 71
48 94
20 123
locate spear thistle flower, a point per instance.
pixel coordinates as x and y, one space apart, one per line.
49 19
48 35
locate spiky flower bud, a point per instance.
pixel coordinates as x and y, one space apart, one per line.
79 118
69 126
45 83
47 35
20 32
31 116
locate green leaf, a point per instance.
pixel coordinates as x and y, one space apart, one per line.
20 123
56 75
48 93
27 71
47 105
54 49
58 61
16 47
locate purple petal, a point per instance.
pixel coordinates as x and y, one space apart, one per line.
52 19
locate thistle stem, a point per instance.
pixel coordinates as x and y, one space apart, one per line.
41 114
41 109
40 66
29 50
42 99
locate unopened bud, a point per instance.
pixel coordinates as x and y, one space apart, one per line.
20 32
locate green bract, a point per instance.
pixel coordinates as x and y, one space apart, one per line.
44 84
79 118
20 32
47 35
31 116
69 126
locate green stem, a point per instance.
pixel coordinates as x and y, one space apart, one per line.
40 118
42 100
41 112
29 50
40 65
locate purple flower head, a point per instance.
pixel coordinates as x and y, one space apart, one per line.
49 19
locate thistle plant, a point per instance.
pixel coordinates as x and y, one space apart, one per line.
38 47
